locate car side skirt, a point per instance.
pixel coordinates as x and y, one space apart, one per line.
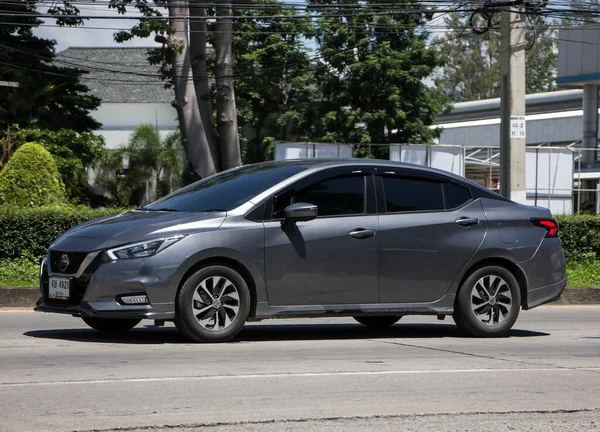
444 306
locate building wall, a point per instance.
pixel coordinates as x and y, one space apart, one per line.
119 119
555 128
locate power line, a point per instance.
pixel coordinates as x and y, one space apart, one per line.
308 63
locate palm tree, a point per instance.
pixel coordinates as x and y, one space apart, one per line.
147 163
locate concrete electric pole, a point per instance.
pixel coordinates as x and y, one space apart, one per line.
512 105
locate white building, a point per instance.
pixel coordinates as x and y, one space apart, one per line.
129 88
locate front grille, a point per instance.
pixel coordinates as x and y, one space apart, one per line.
79 285
75 260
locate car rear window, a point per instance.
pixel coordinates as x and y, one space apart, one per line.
455 195
404 194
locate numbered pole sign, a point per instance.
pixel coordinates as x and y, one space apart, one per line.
518 127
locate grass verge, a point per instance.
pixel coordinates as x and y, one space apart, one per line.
583 274
20 272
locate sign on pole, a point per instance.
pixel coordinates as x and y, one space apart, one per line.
518 127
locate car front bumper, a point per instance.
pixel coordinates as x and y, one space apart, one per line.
96 293
156 311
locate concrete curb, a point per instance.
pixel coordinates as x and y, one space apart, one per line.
27 296
19 296
580 296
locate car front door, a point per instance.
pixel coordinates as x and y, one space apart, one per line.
332 259
430 229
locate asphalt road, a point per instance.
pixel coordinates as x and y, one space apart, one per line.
305 375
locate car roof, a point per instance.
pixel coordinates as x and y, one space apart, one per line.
315 163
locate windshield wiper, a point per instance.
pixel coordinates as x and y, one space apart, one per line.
160 209
212 210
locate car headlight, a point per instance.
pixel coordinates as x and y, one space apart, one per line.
142 249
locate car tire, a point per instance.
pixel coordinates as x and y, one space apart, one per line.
378 321
110 325
212 305
488 302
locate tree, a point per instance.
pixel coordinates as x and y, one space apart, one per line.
276 81
193 133
183 63
374 63
153 166
226 110
472 71
31 179
48 96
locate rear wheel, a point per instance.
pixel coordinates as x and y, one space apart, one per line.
378 321
213 305
488 303
110 325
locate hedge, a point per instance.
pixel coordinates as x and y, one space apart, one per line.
580 237
30 231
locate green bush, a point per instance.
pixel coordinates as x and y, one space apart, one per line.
31 178
580 236
30 231
20 272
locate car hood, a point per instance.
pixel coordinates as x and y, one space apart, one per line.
134 226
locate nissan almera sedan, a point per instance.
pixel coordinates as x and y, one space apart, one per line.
374 240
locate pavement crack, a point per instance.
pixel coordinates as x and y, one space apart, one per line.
527 363
336 418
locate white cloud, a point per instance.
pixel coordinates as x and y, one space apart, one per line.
96 32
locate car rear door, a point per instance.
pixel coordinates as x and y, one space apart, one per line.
333 259
430 228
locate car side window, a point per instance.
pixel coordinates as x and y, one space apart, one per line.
342 195
408 194
455 195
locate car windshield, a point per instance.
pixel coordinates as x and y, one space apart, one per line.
227 190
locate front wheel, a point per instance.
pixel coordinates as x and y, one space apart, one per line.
212 305
488 303
378 321
110 325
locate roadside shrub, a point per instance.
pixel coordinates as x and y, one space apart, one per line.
580 237
31 178
30 231
19 272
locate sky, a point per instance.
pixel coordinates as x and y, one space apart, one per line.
87 35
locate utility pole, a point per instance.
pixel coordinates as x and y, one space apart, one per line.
512 105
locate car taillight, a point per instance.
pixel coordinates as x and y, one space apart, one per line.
550 224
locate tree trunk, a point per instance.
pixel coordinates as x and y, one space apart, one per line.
193 135
201 83
226 110
151 188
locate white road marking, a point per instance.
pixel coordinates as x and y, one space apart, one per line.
290 375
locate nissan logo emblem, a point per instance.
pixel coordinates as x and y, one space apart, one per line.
63 263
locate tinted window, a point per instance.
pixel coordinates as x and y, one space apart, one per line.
335 196
455 195
410 194
228 190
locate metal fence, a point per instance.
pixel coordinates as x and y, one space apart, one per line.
556 176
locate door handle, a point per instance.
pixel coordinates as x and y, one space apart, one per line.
361 233
466 221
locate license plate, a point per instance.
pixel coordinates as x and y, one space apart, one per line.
59 288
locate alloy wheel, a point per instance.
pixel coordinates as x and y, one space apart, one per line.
216 303
491 300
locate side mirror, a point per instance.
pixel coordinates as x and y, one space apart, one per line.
300 212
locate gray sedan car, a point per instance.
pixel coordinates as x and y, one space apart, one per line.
374 240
